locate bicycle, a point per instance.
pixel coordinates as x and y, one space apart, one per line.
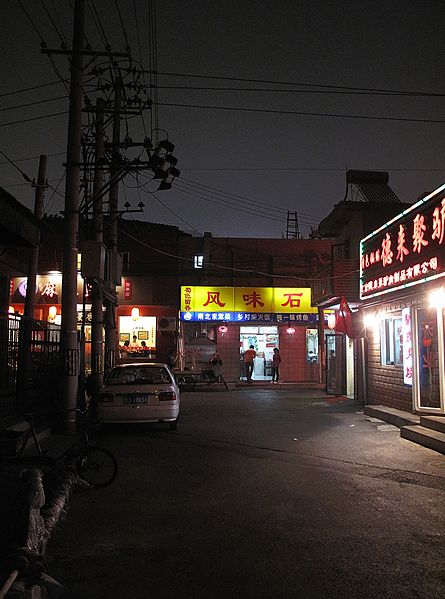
94 464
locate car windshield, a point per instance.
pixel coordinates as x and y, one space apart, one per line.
139 375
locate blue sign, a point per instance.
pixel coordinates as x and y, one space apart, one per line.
253 317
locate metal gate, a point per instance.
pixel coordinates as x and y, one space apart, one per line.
38 371
335 364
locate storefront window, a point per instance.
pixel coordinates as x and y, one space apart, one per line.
391 341
428 358
311 345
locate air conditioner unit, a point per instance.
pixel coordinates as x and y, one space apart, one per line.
166 323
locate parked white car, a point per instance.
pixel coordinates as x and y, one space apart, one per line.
139 392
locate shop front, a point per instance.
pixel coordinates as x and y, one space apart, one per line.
232 319
403 293
48 304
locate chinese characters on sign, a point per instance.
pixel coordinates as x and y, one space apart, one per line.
407 347
407 250
128 290
241 304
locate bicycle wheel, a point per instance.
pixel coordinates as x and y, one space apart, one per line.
97 466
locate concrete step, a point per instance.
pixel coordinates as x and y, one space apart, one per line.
398 418
436 423
424 436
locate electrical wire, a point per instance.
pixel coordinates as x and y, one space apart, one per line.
12 163
127 44
174 213
27 89
34 158
33 25
254 203
231 268
33 103
63 41
303 113
97 21
35 118
295 91
293 83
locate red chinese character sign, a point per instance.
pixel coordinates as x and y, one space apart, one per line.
408 250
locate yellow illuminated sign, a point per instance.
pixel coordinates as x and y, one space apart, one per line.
276 300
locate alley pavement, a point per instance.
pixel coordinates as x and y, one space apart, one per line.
373 447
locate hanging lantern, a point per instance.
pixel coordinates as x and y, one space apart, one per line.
223 329
332 320
290 330
135 314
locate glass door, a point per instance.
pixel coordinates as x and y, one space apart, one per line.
335 365
430 360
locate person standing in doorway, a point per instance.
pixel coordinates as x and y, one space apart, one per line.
276 359
249 356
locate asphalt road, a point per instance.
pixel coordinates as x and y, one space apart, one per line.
259 494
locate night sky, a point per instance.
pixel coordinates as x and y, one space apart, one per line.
242 170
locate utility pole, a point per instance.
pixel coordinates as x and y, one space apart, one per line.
97 362
34 258
110 320
24 357
69 336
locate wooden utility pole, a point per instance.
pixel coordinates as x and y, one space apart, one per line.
69 336
97 350
34 258
110 321
26 324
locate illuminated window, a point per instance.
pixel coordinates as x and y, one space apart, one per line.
391 341
198 261
311 345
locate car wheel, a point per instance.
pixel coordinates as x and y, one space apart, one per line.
173 426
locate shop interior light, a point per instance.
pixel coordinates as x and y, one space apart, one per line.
11 310
52 313
437 298
135 314
369 320
290 330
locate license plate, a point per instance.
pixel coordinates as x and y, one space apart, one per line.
136 399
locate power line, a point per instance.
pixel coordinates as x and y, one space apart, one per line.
231 268
298 91
34 103
255 203
35 118
293 83
24 175
63 41
302 113
27 89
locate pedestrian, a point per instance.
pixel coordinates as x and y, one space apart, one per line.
276 359
249 357
171 359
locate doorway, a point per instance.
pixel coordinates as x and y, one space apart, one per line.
263 339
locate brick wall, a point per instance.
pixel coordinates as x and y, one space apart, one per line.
228 349
294 367
385 383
